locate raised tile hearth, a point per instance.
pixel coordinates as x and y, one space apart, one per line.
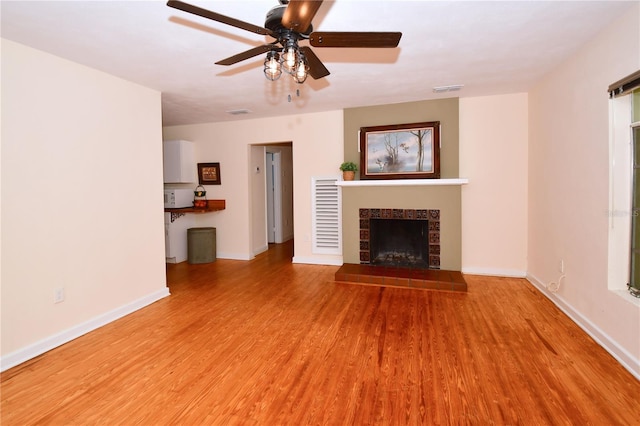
425 279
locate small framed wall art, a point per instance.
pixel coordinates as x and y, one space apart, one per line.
209 173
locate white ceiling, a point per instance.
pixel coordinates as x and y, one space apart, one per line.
489 47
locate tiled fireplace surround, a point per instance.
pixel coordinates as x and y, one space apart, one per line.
431 278
432 216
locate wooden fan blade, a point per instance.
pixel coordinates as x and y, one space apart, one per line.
185 7
316 67
246 55
354 39
299 14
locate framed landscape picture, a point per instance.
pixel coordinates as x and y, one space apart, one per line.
401 151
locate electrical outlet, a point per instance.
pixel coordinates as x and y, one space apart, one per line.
561 266
58 295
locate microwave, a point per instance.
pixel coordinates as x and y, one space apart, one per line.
178 198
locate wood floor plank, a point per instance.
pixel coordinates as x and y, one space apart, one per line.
267 342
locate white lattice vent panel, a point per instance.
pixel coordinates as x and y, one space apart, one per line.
327 216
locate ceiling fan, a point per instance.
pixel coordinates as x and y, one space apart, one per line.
289 23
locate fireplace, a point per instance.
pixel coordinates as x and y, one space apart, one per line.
410 259
408 238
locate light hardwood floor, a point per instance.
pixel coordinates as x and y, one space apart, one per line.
267 342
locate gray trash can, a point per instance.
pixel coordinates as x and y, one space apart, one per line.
201 245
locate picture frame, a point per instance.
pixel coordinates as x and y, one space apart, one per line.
209 174
400 151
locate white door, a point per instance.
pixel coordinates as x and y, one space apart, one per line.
271 227
274 198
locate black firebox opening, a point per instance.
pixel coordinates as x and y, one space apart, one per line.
399 242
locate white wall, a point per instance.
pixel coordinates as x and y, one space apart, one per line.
569 187
258 199
493 156
317 150
81 200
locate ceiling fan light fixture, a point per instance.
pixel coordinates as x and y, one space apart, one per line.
272 69
288 23
290 57
302 70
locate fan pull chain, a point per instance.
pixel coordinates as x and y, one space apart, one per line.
297 94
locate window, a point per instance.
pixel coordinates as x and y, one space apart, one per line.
634 274
624 203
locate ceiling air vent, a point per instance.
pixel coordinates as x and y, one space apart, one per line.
452 88
241 111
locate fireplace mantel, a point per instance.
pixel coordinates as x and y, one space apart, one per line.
404 182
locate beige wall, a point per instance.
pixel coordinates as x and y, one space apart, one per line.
317 151
443 110
493 156
81 200
569 187
445 198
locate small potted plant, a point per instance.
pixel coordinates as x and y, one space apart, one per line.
348 170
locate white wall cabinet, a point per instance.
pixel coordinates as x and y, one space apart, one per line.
179 164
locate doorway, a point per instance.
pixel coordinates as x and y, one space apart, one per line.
271 194
279 184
